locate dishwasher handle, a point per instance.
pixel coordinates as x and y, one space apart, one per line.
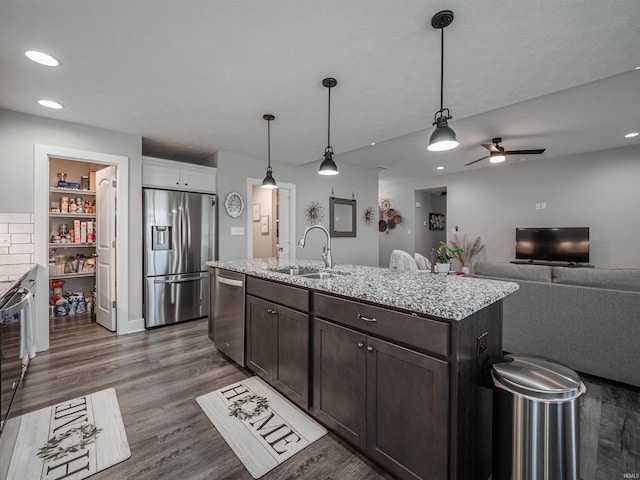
229 281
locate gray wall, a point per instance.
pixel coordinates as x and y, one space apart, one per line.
598 190
19 132
363 183
233 171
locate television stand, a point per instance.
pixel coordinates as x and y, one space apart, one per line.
553 264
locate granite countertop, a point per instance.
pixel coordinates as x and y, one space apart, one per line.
11 275
452 297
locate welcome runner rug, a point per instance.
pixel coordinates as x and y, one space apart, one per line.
262 427
71 440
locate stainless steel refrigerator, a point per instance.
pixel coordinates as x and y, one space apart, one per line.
180 232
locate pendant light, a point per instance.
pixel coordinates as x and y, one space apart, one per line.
328 166
269 181
443 138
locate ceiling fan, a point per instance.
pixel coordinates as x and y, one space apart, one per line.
497 152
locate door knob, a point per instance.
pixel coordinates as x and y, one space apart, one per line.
370 349
360 344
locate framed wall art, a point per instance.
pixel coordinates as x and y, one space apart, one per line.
436 221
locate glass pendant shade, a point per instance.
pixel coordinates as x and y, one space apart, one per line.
328 166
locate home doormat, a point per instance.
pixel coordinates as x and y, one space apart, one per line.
71 440
262 427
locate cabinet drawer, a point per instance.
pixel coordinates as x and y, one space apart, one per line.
408 329
293 297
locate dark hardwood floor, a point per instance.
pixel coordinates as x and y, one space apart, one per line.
158 374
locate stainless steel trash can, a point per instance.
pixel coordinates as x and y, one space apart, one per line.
536 419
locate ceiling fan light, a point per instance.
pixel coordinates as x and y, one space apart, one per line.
497 158
328 166
443 138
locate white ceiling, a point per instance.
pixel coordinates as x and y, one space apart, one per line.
195 77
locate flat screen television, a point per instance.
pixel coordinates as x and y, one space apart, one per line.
563 244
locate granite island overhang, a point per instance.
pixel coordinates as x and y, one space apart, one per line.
451 297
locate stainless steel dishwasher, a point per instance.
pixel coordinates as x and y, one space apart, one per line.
226 317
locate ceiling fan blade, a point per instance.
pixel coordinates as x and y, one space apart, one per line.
476 161
537 151
491 147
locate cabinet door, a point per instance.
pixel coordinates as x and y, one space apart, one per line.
156 174
200 179
292 355
407 411
261 337
339 381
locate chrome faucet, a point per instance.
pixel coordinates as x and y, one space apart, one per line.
326 247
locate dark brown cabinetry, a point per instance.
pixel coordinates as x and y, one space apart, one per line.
404 388
387 400
278 339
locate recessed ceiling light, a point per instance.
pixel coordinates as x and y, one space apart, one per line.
440 168
372 143
50 104
637 68
42 58
632 134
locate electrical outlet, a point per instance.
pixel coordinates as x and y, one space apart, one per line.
537 206
482 343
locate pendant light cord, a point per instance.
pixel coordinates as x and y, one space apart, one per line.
269 143
441 68
329 121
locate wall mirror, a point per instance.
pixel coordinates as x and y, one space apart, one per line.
342 217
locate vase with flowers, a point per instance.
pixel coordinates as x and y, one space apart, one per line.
465 250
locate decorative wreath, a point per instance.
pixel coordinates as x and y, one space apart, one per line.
236 409
369 215
53 450
314 213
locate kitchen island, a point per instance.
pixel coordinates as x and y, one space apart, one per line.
390 361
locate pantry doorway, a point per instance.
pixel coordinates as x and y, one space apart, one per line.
77 260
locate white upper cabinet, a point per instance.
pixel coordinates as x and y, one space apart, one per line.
157 172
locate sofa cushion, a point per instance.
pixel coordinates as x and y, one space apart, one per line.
627 279
534 273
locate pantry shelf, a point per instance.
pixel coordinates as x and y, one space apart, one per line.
75 191
73 215
72 245
72 275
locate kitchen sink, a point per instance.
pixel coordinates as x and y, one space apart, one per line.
294 271
311 273
319 275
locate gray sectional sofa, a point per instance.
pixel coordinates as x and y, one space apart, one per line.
585 318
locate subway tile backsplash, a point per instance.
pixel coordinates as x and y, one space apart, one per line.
16 238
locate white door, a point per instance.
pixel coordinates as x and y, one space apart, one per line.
105 248
284 202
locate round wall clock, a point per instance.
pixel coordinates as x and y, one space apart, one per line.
233 204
